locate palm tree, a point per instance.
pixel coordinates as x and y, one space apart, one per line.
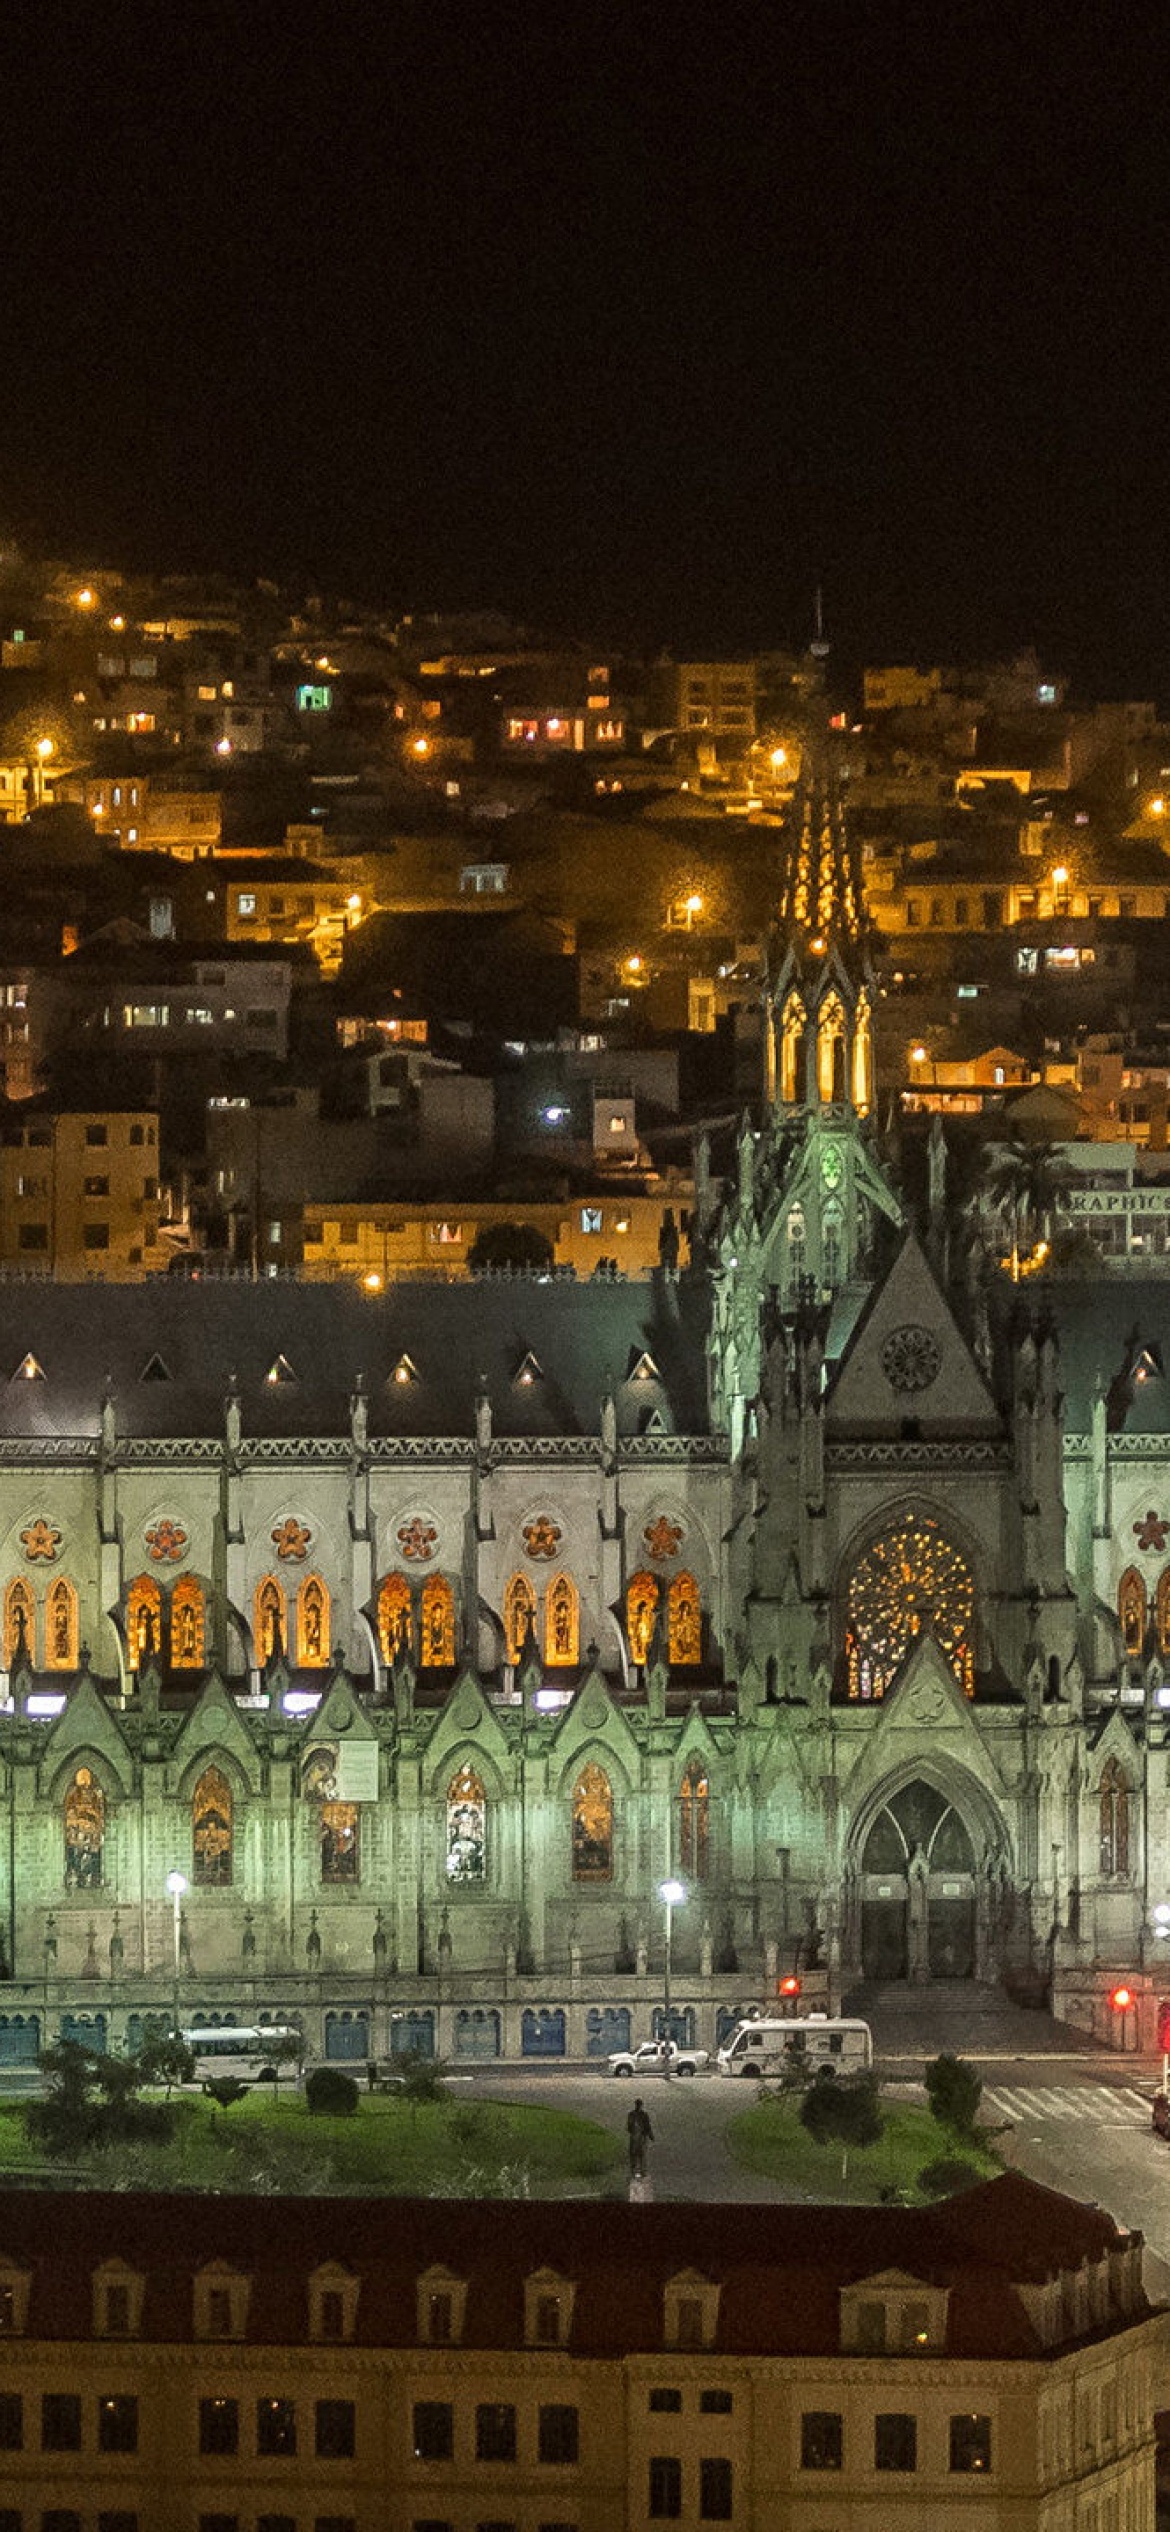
1025 1181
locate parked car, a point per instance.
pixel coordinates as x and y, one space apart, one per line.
659 2057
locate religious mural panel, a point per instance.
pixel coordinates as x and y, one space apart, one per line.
466 1828
211 1830
593 1825
85 1832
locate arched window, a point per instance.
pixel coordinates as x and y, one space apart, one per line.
641 1612
519 1615
61 1629
831 1087
593 1825
437 1630
340 1842
466 1828
693 1807
270 1621
188 1624
792 1029
863 1057
1131 1609
562 1622
211 1830
1114 1816
911 1582
684 1621
395 1620
313 1624
20 1618
85 1832
1162 1612
143 1621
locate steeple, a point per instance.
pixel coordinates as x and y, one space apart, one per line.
820 1040
802 1207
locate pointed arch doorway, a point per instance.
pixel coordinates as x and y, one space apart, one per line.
918 1890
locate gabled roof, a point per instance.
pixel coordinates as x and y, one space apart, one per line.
582 1337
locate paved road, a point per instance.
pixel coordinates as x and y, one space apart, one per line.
1076 2120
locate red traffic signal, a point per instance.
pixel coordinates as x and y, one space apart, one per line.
1121 1999
788 1987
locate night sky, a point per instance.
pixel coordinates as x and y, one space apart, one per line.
632 321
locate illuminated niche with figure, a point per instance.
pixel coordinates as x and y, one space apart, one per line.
85 1832
911 1582
593 1825
466 1828
211 1830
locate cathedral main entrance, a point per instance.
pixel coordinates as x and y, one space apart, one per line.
918 1890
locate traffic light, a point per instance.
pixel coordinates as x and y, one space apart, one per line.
1121 1999
788 1987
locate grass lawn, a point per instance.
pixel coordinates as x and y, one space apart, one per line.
769 2138
444 2148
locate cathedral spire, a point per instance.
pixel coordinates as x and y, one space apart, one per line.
821 901
820 1048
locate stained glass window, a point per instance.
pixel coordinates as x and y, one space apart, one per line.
312 1624
340 1841
593 1825
395 1629
1131 1610
641 1612
437 1632
466 1828
911 1582
19 1619
684 1620
270 1631
1162 1612
85 1831
61 1628
693 1806
143 1621
1114 1819
519 1615
561 1622
211 1830
188 1624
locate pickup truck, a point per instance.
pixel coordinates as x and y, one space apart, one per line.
659 2057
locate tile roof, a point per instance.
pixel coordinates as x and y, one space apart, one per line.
780 2268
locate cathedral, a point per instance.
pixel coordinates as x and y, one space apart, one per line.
423 1634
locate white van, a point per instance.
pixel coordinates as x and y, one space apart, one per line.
765 2047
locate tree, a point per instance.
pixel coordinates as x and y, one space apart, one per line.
331 2094
842 2113
1025 1180
517 1244
954 2091
92 2102
166 2059
422 2078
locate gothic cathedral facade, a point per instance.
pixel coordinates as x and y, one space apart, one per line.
425 1634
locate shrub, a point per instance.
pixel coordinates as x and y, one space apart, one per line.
842 2113
946 2177
226 2090
954 2092
330 2093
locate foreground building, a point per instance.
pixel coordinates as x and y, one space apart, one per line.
426 1630
188 2366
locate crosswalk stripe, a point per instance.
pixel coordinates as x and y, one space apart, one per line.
1105 2105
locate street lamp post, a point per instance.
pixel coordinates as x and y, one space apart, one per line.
672 1894
176 1884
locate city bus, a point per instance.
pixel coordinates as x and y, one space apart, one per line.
765 2046
246 2051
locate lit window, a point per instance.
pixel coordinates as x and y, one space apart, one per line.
591 1218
